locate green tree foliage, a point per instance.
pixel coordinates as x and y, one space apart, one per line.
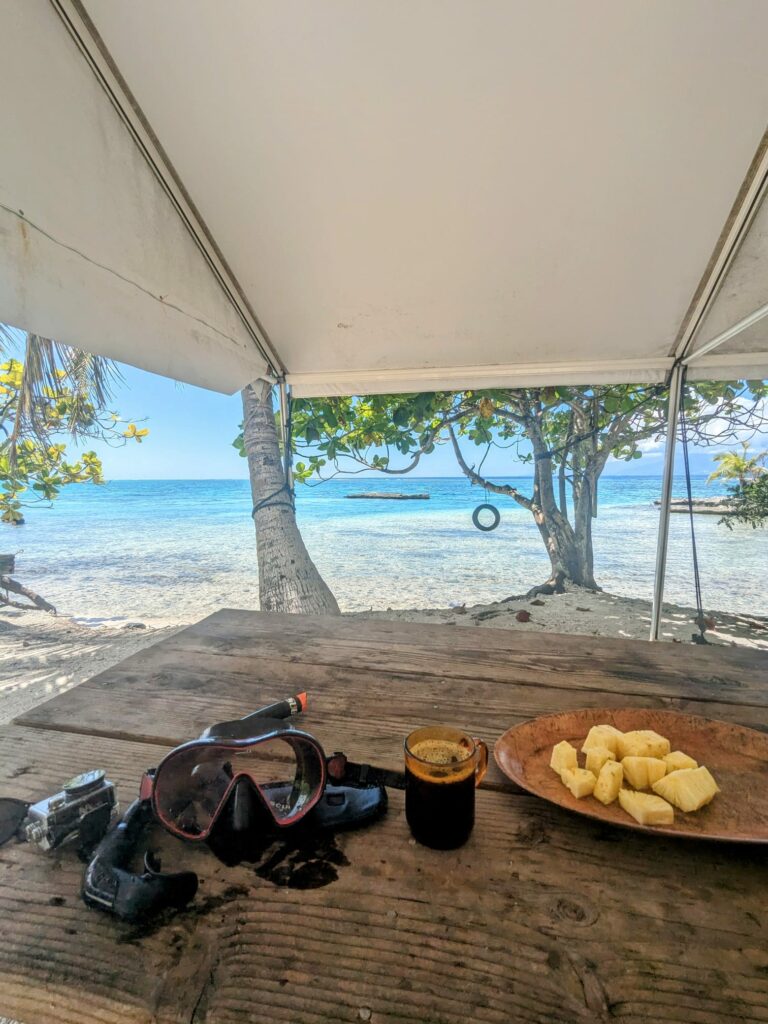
749 502
566 433
739 466
54 393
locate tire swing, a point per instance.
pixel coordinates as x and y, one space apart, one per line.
486 526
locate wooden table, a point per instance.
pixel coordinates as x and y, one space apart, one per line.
543 916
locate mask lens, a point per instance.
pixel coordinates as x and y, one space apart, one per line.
288 773
190 788
193 783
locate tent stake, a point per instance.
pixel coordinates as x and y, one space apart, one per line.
676 379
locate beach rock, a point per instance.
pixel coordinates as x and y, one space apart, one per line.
487 613
523 616
135 625
538 601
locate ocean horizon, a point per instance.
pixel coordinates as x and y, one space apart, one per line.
176 550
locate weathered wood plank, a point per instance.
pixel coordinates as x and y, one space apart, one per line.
542 917
172 699
263 657
539 659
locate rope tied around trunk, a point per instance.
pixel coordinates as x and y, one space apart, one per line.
276 498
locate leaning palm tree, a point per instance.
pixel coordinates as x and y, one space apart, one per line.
739 465
288 578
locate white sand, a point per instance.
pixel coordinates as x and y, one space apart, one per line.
595 613
42 656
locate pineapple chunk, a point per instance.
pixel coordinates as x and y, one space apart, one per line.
608 782
602 736
689 789
646 808
563 756
642 743
580 782
596 758
642 772
677 760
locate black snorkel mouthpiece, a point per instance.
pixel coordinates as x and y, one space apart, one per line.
110 885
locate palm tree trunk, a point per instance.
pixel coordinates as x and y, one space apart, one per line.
288 578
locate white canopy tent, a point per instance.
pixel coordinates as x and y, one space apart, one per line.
390 196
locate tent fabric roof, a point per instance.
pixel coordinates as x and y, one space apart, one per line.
387 196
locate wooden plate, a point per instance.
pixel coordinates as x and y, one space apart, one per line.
737 757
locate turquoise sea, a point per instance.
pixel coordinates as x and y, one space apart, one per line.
179 549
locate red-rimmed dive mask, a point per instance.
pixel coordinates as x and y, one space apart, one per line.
282 766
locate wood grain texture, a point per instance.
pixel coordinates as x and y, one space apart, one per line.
737 757
541 917
244 648
172 691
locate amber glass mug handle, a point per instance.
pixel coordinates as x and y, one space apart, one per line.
482 759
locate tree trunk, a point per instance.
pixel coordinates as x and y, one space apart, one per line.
570 553
288 578
569 547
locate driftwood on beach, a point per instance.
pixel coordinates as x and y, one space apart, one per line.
390 497
701 506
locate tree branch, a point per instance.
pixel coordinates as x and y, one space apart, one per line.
510 492
17 588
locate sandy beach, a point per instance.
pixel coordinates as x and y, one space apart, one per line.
42 656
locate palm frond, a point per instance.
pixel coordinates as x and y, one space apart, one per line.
38 373
52 369
10 338
91 380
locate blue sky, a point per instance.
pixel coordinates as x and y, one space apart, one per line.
191 433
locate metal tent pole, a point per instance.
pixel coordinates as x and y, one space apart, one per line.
285 431
673 411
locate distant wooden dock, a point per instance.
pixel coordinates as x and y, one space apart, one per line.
702 506
381 495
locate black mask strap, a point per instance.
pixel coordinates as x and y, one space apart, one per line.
342 772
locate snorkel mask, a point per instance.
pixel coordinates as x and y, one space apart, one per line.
238 788
246 781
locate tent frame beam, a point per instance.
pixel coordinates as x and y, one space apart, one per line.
754 189
731 332
676 381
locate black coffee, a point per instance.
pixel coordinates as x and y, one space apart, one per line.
440 807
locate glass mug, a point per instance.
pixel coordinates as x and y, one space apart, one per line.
442 768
